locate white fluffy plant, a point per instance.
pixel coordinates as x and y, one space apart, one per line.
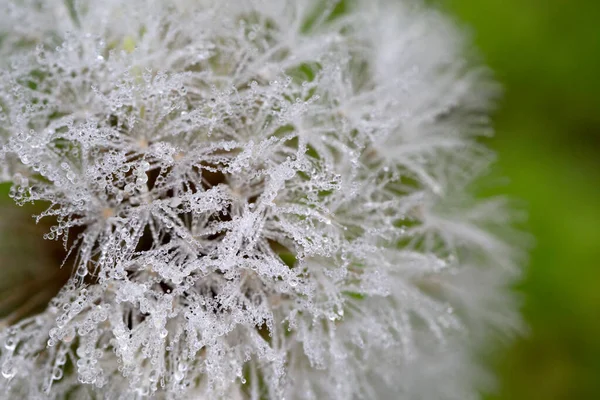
260 199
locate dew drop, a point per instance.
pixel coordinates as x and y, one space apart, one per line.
8 369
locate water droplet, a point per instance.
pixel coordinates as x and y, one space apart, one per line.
10 344
82 271
57 373
8 369
178 375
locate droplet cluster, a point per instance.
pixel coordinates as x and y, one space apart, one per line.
260 199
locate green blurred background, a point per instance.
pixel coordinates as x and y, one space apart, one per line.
546 53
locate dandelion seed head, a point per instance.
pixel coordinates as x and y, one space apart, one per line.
265 199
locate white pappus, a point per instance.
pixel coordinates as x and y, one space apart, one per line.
260 199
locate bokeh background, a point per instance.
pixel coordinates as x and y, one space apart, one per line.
546 53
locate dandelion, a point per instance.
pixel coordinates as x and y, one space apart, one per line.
259 199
